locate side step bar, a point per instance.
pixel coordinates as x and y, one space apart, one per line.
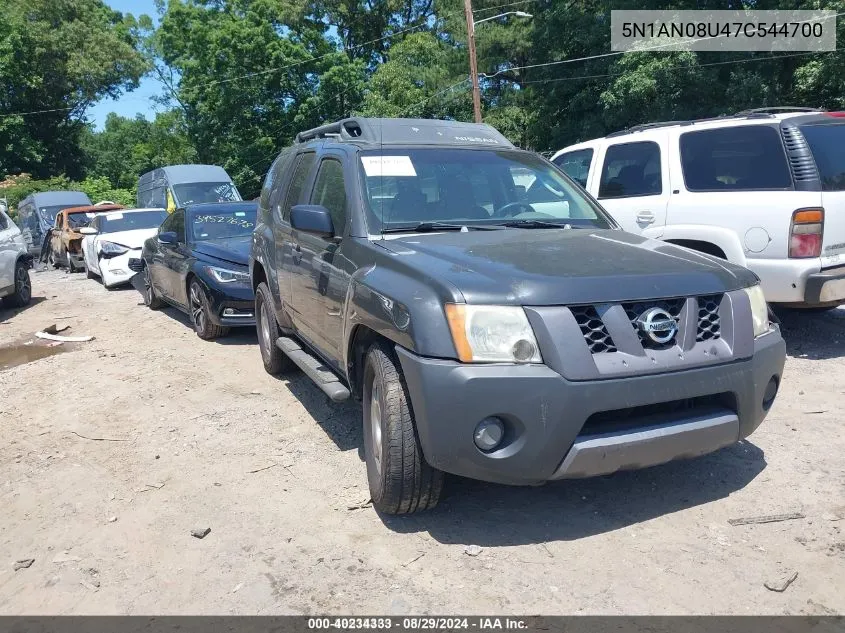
314 368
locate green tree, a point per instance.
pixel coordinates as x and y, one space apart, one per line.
57 57
127 148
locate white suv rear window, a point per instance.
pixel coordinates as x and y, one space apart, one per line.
827 142
739 158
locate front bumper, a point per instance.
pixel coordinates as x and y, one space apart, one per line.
826 287
115 271
545 415
232 306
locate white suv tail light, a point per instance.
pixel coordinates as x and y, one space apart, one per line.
805 233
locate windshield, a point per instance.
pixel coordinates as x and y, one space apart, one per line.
76 220
222 224
198 192
471 187
116 222
827 142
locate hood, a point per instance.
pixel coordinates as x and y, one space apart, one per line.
558 266
130 239
230 249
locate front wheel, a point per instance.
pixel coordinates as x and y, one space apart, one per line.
275 361
401 481
70 267
201 314
23 287
88 273
150 298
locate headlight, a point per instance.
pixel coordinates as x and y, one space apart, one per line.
227 276
759 310
110 248
493 334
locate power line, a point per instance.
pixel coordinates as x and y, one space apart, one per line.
501 6
3 116
680 66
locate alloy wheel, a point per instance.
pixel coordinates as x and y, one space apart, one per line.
375 423
197 310
24 284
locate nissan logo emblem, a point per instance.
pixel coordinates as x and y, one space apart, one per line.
658 325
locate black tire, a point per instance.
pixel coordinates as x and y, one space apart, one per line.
275 361
88 273
23 288
150 298
201 314
401 481
70 267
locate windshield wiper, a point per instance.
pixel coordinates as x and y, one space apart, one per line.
535 224
425 227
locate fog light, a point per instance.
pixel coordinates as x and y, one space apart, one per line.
228 312
770 393
489 434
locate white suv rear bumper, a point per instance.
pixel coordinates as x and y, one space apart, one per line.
799 281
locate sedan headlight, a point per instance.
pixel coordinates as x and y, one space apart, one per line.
759 310
111 249
492 334
227 276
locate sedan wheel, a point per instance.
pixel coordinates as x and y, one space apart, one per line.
201 314
23 287
150 298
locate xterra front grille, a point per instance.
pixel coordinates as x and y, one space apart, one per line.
709 326
636 310
592 327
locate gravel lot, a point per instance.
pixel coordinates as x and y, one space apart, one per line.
195 434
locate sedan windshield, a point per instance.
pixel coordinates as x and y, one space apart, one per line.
117 222
198 192
406 188
222 223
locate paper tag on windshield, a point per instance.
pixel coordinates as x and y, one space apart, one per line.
114 216
240 214
388 166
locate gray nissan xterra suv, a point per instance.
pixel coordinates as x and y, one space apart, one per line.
492 317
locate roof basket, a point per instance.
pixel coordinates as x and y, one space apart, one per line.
344 130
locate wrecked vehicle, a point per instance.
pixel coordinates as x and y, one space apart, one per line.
37 214
65 238
493 319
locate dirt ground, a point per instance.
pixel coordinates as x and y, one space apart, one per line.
113 450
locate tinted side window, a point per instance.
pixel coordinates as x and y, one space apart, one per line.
167 225
827 142
330 191
297 182
631 169
178 225
741 158
576 164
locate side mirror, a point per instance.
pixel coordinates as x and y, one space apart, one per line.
168 237
312 218
88 230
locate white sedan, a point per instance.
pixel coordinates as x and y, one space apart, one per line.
112 239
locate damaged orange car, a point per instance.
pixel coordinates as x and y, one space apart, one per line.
65 247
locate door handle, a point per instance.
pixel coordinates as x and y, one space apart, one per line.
645 216
297 254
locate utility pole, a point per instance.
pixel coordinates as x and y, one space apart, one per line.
473 62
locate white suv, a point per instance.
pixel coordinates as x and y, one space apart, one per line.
764 189
15 261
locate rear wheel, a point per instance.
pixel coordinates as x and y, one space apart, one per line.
23 287
70 267
400 479
150 298
201 314
275 361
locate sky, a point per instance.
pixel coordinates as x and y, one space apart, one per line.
138 101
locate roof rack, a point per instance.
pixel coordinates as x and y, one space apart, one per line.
431 132
646 126
776 109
